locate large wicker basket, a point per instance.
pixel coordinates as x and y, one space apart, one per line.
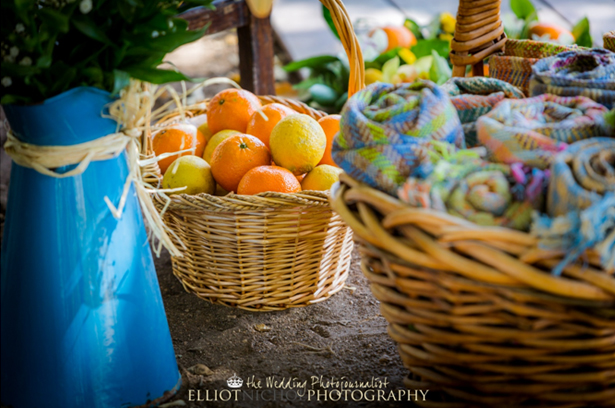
270 251
475 311
479 319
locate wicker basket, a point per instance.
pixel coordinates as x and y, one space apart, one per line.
609 40
271 251
515 64
475 312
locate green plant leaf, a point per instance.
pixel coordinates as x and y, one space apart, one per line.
88 27
312 62
389 69
522 8
424 47
54 19
327 15
525 29
581 33
414 27
121 79
433 28
156 76
440 72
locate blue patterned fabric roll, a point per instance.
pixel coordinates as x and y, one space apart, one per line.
581 175
385 131
589 73
475 97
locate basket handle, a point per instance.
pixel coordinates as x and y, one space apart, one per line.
479 32
344 28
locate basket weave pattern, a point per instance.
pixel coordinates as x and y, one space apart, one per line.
475 312
609 40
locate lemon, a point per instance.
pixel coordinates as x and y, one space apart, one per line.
191 172
201 124
215 141
321 178
297 143
372 75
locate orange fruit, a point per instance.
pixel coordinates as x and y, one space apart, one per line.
235 156
231 109
262 122
399 36
301 177
176 138
331 125
215 141
551 30
268 178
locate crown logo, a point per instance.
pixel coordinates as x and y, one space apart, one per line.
234 381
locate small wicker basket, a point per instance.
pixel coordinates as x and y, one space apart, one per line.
271 251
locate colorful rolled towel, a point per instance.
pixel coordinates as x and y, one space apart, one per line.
581 175
515 65
533 130
475 97
573 233
479 191
589 73
385 129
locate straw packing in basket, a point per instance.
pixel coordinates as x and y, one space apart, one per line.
385 129
589 73
475 97
533 130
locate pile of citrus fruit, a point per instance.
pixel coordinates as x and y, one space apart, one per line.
244 147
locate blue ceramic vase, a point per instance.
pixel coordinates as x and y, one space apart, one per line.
82 318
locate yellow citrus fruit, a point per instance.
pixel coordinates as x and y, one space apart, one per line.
297 143
201 124
372 75
321 178
191 172
215 141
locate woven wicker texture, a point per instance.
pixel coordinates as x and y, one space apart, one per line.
270 251
479 32
609 40
515 64
475 311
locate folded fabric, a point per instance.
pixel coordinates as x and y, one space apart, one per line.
573 233
475 97
479 191
589 73
533 130
581 175
385 129
515 64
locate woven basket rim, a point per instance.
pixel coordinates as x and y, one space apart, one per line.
398 213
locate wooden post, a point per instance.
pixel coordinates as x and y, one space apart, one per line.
255 40
256 56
